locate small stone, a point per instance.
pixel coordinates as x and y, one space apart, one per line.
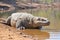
8 35
9 29
25 35
10 38
21 33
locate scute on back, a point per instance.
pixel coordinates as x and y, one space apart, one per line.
22 15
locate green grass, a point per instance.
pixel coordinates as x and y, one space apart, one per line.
48 1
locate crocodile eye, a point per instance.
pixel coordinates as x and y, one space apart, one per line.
38 19
43 20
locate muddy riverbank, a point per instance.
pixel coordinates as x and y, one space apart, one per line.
10 33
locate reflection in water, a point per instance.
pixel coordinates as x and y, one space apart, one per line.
54 36
41 35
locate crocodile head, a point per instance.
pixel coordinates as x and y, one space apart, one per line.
41 21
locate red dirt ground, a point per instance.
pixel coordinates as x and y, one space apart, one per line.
10 33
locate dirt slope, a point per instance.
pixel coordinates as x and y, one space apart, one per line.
9 33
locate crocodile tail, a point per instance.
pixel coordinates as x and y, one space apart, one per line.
3 21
